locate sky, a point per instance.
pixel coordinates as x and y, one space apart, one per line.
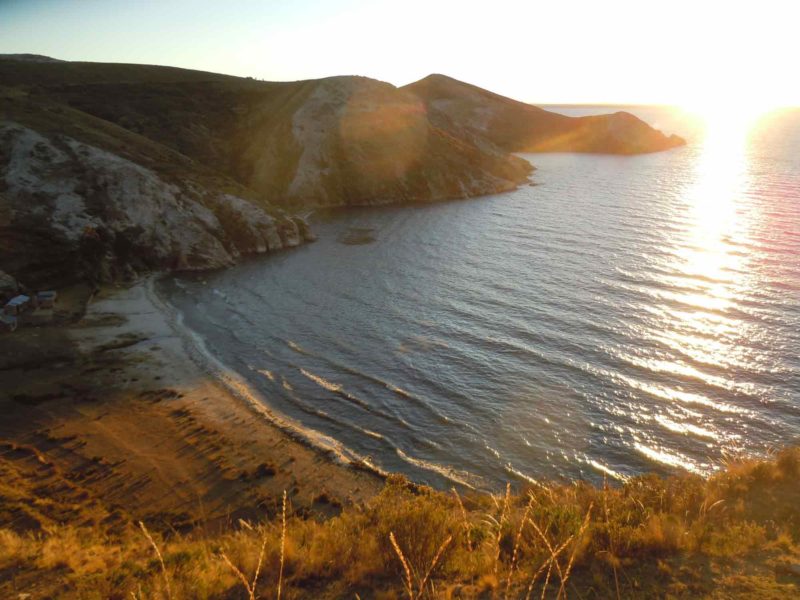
690 53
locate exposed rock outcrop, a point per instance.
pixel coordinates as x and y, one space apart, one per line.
78 210
304 229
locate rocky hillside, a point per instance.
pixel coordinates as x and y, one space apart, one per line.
109 169
517 127
83 199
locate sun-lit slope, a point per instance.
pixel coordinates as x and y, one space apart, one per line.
519 127
334 141
357 141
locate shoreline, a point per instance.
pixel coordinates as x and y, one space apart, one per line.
240 390
121 412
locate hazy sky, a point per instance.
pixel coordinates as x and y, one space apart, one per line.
660 51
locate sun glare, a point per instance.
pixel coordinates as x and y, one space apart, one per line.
711 202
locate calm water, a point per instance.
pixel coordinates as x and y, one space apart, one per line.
626 314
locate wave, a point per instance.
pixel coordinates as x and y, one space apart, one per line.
267 374
297 348
338 389
672 459
517 474
198 352
607 470
459 477
335 387
352 398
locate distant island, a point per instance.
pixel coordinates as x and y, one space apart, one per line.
125 169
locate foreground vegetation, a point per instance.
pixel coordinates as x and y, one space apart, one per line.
733 535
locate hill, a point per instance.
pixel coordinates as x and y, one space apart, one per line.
125 168
518 127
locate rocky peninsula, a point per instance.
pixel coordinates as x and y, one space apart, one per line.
112 170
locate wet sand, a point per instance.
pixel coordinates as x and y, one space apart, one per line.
111 418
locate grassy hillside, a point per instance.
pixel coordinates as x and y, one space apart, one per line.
333 141
46 74
519 127
735 535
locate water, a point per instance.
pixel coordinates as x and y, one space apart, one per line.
627 314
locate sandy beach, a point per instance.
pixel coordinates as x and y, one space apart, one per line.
110 418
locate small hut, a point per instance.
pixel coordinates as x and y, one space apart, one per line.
17 305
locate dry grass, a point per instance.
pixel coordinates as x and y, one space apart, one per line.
679 537
160 558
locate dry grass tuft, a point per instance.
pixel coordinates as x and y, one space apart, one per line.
422 583
647 537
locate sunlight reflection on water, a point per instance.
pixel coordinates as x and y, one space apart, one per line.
625 315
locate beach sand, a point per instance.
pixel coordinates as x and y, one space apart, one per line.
112 418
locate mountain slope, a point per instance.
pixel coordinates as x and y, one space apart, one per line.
334 141
81 198
519 127
172 168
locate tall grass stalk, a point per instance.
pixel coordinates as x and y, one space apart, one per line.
516 544
409 573
250 586
506 502
434 562
467 528
548 563
408 582
283 544
160 558
584 526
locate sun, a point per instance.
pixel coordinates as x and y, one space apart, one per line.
729 117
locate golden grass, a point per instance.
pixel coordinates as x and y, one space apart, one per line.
160 558
650 537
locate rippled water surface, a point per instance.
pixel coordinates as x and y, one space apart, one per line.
625 314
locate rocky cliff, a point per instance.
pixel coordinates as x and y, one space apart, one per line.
74 205
112 169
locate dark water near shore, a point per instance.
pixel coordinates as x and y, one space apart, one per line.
626 314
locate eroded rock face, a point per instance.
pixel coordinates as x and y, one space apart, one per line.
72 208
289 233
304 229
356 141
252 229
